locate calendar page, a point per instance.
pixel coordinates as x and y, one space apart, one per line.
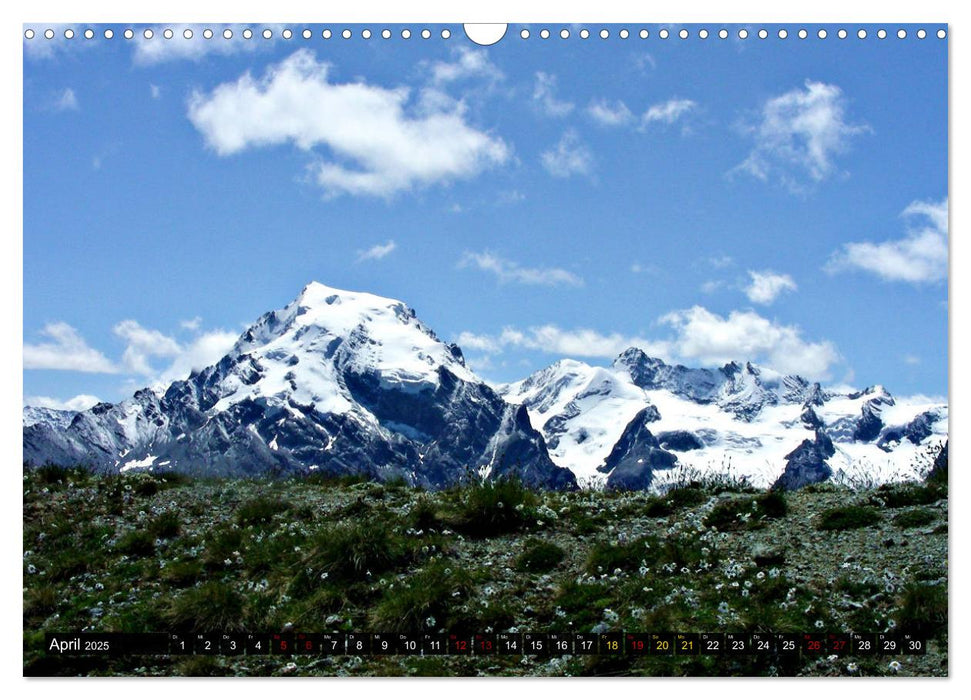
530 349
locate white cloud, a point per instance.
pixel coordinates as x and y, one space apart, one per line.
919 257
568 157
610 114
81 402
712 286
155 90
66 101
744 335
67 351
721 262
799 133
766 286
700 337
667 112
510 271
467 64
912 360
578 342
191 324
204 350
544 95
142 344
379 142
376 252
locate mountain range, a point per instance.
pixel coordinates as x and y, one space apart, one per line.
352 383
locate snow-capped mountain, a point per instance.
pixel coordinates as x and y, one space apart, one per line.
343 382
648 417
352 383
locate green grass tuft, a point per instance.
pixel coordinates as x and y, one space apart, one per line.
539 556
848 518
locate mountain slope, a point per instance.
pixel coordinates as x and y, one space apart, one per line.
343 382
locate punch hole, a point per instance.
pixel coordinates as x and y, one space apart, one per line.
663 33
405 33
821 33
425 34
604 33
763 34
489 34
29 34
227 34
803 33
881 34
564 33
187 34
624 33
267 34
68 33
544 34
89 34
683 34
584 33
841 33
722 33
207 34
703 33
327 34
148 34
168 33
644 34
524 34
386 34
743 33
861 33
366 34
247 33
783 34
346 34
901 33
287 34
941 34
307 34
446 33
129 34
109 34
921 34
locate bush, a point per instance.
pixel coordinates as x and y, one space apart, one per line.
54 474
923 610
676 498
494 507
424 601
848 518
917 517
747 513
347 551
539 556
424 515
165 525
260 510
605 558
903 495
137 543
212 607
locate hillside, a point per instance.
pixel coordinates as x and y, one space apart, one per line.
141 552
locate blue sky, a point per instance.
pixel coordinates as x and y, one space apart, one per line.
782 201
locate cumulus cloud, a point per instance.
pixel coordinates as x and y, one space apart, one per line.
745 335
698 337
918 257
568 157
378 141
376 252
202 351
142 344
81 402
466 64
608 113
799 134
667 112
511 271
66 350
544 96
766 286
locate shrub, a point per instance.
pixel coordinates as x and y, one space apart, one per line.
165 525
539 556
917 517
605 557
137 543
54 474
345 552
922 610
676 498
260 510
747 513
848 518
424 515
425 600
212 607
494 507
902 495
